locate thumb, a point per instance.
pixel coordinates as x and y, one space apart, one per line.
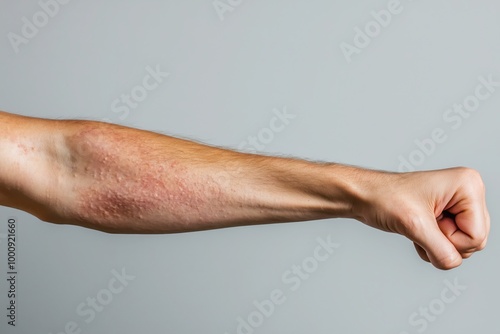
437 247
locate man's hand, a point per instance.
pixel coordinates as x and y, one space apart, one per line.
443 212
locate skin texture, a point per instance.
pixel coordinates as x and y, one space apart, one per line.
123 180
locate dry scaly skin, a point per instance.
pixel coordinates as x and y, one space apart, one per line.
117 178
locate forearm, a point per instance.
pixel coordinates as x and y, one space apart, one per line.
125 180
135 181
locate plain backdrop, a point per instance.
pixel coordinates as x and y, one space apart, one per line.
231 66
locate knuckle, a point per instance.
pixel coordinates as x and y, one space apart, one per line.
466 255
479 236
471 177
482 245
469 172
477 244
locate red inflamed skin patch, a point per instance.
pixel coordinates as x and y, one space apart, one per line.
119 176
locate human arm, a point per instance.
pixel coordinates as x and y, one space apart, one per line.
123 180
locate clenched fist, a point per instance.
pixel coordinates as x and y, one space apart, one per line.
443 212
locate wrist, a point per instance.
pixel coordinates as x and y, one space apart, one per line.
334 190
359 187
347 185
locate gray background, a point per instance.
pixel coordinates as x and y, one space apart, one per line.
226 78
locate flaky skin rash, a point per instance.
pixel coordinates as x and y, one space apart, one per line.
119 177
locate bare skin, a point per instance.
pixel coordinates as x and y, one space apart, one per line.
123 180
